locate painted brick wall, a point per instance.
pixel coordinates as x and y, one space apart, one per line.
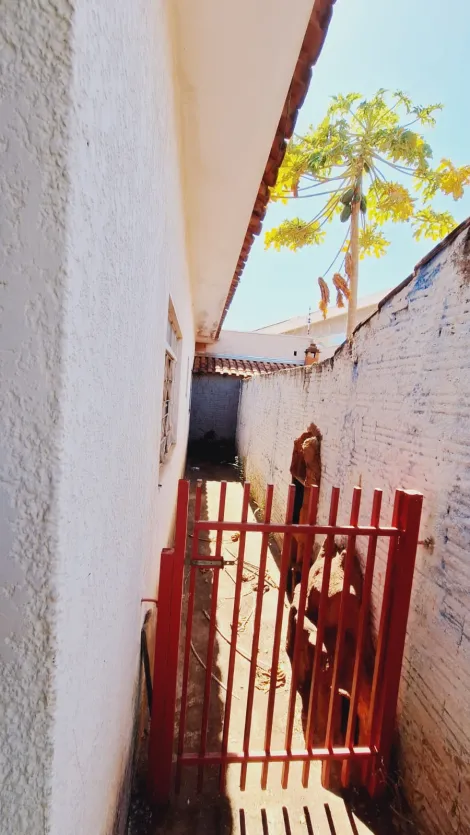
394 410
214 406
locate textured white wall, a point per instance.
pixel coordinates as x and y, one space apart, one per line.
93 243
214 406
33 186
224 94
394 412
260 345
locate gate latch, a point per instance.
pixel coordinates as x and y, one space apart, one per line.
212 563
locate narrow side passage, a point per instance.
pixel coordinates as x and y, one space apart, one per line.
294 810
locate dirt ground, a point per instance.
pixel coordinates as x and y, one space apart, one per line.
294 810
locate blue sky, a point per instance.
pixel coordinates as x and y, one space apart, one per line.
419 46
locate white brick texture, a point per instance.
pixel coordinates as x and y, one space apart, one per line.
394 410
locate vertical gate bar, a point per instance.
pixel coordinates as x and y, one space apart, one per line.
315 683
211 639
187 641
361 632
284 568
381 636
181 529
340 635
403 571
311 520
234 636
157 777
161 744
256 629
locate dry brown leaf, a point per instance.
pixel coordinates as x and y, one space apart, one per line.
341 284
263 678
325 296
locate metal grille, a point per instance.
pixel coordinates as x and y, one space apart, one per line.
167 437
170 393
373 751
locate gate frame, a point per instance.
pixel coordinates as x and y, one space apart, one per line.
165 665
403 537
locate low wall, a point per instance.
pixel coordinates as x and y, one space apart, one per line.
394 410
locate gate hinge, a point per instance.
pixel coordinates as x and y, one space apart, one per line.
212 563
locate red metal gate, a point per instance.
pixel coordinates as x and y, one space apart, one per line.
374 755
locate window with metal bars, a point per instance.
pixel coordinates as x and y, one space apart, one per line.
169 410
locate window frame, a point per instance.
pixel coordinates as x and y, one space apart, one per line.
171 379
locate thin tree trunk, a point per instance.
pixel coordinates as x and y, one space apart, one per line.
353 279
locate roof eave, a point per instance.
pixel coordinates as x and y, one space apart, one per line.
309 53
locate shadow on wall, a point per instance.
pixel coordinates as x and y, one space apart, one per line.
214 407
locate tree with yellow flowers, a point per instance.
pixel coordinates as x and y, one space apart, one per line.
357 159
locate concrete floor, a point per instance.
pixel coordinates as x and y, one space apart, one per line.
294 810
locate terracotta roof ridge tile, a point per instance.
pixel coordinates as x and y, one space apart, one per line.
236 367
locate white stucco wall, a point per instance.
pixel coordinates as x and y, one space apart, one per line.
254 345
326 329
33 184
214 406
93 243
394 412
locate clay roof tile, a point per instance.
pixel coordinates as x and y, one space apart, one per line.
235 367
